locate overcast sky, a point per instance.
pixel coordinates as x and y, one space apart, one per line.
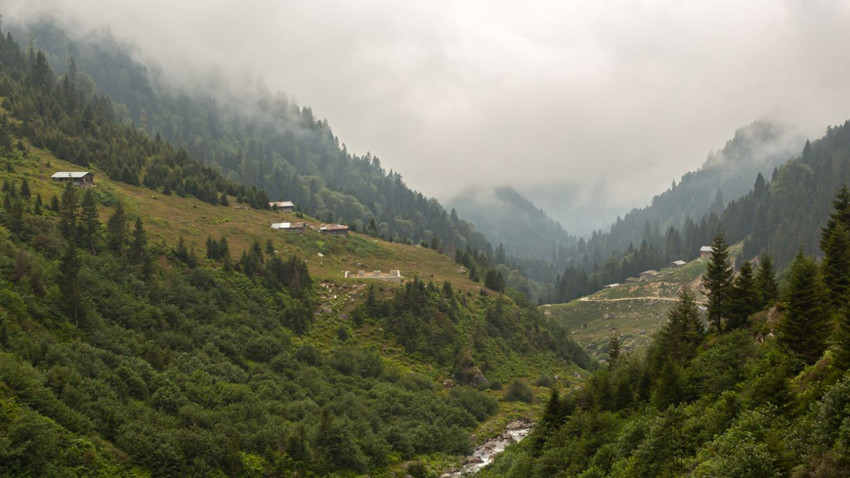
610 99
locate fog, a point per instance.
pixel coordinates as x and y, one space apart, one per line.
600 104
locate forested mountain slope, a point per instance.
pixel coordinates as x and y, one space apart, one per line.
147 334
762 389
257 138
789 212
509 219
726 175
778 217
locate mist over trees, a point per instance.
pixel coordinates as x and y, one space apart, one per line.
259 138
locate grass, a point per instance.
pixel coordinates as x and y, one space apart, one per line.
167 218
634 309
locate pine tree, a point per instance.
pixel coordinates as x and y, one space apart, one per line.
743 298
683 332
842 340
805 326
836 265
718 280
25 189
839 215
137 251
835 244
224 254
768 290
613 350
69 270
89 221
212 249
668 389
68 212
117 228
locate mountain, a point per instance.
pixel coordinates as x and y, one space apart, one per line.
758 147
153 325
679 221
725 175
253 136
509 219
787 214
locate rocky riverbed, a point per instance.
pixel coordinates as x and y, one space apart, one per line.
485 453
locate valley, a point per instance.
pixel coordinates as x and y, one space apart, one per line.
208 282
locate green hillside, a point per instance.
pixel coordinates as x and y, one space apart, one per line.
253 136
169 331
633 310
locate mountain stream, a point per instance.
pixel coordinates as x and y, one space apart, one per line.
485 453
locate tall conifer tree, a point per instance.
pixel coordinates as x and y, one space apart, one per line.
718 280
805 326
835 244
743 298
768 290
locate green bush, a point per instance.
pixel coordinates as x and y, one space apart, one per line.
518 391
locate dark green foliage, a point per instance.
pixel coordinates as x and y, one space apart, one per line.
69 284
805 325
76 124
681 335
669 389
741 303
718 280
189 370
518 391
835 244
89 227
613 350
768 289
494 280
116 228
68 212
842 339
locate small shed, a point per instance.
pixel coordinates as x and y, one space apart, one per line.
676 264
334 229
704 251
297 227
610 286
647 275
282 205
79 178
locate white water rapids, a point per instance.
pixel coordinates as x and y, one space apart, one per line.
485 453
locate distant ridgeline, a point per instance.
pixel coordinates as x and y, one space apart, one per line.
264 140
778 217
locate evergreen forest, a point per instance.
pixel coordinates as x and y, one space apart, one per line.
757 386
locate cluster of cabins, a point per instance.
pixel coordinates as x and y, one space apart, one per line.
300 227
704 252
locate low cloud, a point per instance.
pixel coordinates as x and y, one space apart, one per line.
611 99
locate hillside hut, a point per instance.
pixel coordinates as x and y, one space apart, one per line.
78 178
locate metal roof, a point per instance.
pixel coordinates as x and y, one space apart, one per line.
333 227
70 174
